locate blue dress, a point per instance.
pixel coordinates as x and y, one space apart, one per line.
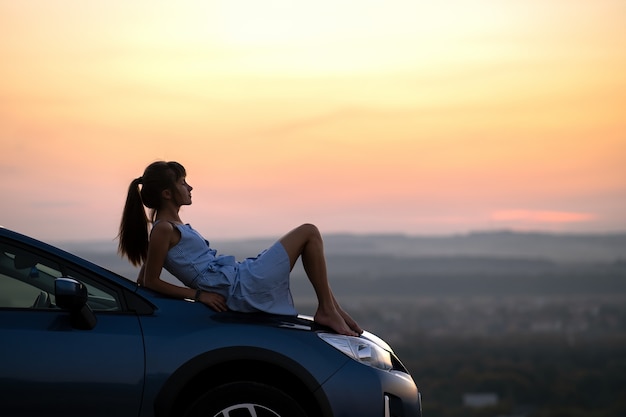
254 284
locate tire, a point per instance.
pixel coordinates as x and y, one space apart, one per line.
238 399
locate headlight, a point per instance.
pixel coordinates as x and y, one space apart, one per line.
359 349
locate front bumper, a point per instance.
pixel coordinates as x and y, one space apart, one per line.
358 390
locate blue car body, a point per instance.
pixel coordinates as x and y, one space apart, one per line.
128 351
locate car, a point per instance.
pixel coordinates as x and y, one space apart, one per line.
80 340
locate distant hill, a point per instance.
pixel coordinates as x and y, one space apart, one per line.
489 263
504 244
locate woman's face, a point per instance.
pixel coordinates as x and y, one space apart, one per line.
183 191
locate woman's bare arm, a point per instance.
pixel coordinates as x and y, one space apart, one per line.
162 238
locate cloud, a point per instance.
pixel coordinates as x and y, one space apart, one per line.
541 216
54 204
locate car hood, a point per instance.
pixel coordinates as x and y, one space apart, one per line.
300 322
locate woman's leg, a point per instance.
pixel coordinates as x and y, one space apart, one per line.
306 241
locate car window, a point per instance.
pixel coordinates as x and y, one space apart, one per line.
27 281
100 298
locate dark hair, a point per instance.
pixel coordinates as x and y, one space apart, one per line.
133 233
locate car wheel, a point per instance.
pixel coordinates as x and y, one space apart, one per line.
246 399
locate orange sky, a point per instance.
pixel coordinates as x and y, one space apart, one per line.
360 116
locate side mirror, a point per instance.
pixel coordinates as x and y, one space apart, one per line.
71 295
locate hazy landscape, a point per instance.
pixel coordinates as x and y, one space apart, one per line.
490 324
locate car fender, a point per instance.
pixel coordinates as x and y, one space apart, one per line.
223 365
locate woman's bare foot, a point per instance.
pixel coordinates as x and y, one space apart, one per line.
348 319
335 321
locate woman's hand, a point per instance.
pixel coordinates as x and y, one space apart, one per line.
213 300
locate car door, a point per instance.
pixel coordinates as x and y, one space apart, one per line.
48 367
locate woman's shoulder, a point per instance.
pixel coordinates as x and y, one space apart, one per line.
162 226
165 230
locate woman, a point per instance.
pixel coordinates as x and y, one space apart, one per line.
256 284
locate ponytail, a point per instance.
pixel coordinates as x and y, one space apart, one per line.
133 234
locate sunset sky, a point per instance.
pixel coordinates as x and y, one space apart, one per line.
364 116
